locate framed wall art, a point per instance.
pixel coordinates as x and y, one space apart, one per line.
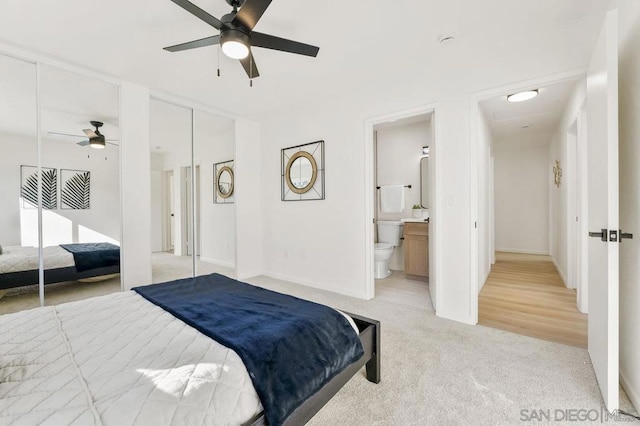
29 187
75 189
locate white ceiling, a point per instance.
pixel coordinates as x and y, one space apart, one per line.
365 46
531 122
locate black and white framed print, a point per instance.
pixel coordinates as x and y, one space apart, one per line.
302 172
75 189
29 187
223 182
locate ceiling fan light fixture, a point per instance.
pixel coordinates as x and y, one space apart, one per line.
235 44
97 143
522 96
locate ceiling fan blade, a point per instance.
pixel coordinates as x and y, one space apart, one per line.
195 10
84 143
276 43
249 65
65 134
207 41
250 13
90 133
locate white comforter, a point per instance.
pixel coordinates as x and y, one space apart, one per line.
117 360
18 259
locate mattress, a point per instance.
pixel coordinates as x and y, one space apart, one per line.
118 360
19 259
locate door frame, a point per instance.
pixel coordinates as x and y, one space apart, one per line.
475 156
369 204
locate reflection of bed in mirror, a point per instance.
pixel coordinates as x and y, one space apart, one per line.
65 262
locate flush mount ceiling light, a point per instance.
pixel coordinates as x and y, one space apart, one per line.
522 96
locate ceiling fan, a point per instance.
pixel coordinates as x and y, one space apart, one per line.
95 138
237 36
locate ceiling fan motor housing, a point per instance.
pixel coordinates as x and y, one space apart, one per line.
234 35
235 3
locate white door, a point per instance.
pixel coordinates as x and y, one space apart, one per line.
602 136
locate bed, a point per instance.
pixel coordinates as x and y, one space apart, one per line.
124 359
65 262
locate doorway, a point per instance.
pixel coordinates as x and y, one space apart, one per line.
528 206
401 161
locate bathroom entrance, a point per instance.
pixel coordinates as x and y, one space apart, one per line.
402 194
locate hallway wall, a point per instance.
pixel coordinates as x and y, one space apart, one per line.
521 198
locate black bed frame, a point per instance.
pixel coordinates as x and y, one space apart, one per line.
370 337
51 276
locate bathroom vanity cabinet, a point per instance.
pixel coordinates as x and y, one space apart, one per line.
416 250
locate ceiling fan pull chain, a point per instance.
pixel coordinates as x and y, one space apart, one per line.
251 71
218 60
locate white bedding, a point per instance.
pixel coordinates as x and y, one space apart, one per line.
117 360
18 259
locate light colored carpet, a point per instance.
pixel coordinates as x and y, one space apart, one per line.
168 267
439 372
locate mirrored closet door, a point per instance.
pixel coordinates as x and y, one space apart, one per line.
171 182
81 176
214 192
19 236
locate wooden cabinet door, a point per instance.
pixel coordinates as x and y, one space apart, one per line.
416 255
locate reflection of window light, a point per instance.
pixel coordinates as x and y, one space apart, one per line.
86 235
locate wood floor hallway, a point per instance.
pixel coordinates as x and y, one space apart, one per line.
524 294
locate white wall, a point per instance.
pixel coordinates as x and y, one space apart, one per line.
399 150
521 197
249 198
630 198
562 211
485 199
323 243
136 188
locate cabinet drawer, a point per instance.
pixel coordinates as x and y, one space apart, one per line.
416 228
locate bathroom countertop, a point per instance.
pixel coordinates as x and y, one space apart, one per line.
414 219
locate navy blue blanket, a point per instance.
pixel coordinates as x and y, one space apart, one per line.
88 256
290 347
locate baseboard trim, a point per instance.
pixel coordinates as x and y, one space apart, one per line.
484 280
562 275
521 251
313 284
632 393
217 262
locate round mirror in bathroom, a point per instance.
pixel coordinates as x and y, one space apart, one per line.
301 172
224 182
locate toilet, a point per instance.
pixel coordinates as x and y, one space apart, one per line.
389 233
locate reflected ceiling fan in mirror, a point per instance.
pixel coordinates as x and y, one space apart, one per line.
237 37
95 138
